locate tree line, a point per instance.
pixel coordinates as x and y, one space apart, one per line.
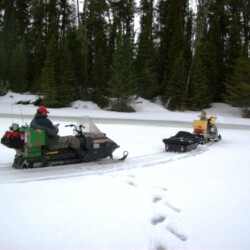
188 56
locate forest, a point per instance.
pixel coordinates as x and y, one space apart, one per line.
188 54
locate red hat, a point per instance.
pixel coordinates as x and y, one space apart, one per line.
42 110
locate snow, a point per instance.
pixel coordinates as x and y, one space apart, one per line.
199 200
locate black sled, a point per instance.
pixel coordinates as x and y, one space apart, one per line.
33 153
182 142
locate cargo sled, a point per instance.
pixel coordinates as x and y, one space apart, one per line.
31 151
182 142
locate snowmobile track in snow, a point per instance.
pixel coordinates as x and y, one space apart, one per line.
11 175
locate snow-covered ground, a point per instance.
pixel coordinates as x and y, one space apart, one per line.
155 200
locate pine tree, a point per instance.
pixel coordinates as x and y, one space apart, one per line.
65 13
100 77
18 69
245 7
3 66
238 85
97 33
175 94
75 45
67 78
37 37
49 76
1 14
84 50
198 97
23 18
233 44
174 45
122 84
146 55
123 11
216 35
10 36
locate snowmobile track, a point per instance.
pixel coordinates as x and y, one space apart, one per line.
11 175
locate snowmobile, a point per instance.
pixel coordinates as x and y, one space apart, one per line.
31 151
203 132
206 130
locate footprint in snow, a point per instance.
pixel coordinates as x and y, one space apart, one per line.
158 219
179 235
169 205
157 199
132 183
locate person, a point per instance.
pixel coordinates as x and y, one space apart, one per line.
203 116
52 140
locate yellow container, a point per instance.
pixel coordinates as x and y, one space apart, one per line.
200 125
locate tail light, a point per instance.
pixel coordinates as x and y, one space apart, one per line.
198 131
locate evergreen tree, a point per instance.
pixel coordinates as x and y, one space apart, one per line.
75 45
65 15
165 29
97 33
84 50
175 45
52 18
216 35
203 67
146 56
238 85
122 84
10 37
67 78
112 37
3 66
23 18
49 75
38 44
175 94
18 69
245 7
233 44
124 11
198 96
100 74
1 14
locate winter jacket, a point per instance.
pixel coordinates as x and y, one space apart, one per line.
51 132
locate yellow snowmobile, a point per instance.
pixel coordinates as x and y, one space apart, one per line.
206 130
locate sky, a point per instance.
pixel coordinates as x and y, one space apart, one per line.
154 200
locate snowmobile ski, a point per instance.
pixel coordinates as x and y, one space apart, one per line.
112 160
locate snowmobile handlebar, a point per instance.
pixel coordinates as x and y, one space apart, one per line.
73 125
79 131
70 125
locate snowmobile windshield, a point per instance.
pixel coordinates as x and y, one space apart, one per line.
89 125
